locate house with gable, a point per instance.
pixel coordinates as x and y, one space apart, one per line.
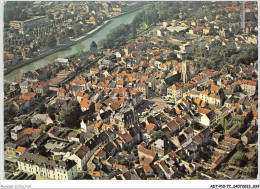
81 155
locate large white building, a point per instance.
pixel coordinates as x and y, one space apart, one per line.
249 86
32 22
42 166
175 91
17 132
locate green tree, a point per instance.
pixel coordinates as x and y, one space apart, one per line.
51 112
27 122
138 19
51 41
7 138
81 138
93 45
118 36
196 125
23 16
54 72
9 110
133 29
41 150
69 32
77 29
251 17
171 56
70 117
224 122
7 167
50 16
240 159
6 88
13 10
158 135
174 47
173 10
41 109
241 147
252 171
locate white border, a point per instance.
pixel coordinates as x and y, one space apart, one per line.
129 184
105 183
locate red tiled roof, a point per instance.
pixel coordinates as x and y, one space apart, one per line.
197 101
80 94
115 106
248 82
117 166
204 92
31 94
127 138
212 95
148 169
173 125
98 124
85 103
41 84
21 149
176 86
214 87
79 80
197 78
94 173
173 154
24 97
61 90
255 114
146 151
197 138
198 28
100 153
120 82
29 131
94 69
91 20
203 110
150 127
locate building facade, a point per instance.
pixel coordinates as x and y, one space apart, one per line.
42 166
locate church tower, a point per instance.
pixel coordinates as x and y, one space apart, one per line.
243 17
185 72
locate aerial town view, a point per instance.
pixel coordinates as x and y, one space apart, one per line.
130 90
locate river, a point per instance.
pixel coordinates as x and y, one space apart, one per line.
84 45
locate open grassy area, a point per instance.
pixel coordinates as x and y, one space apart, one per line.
58 157
71 147
143 30
191 36
143 26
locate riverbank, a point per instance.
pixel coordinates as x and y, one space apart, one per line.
64 46
56 49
